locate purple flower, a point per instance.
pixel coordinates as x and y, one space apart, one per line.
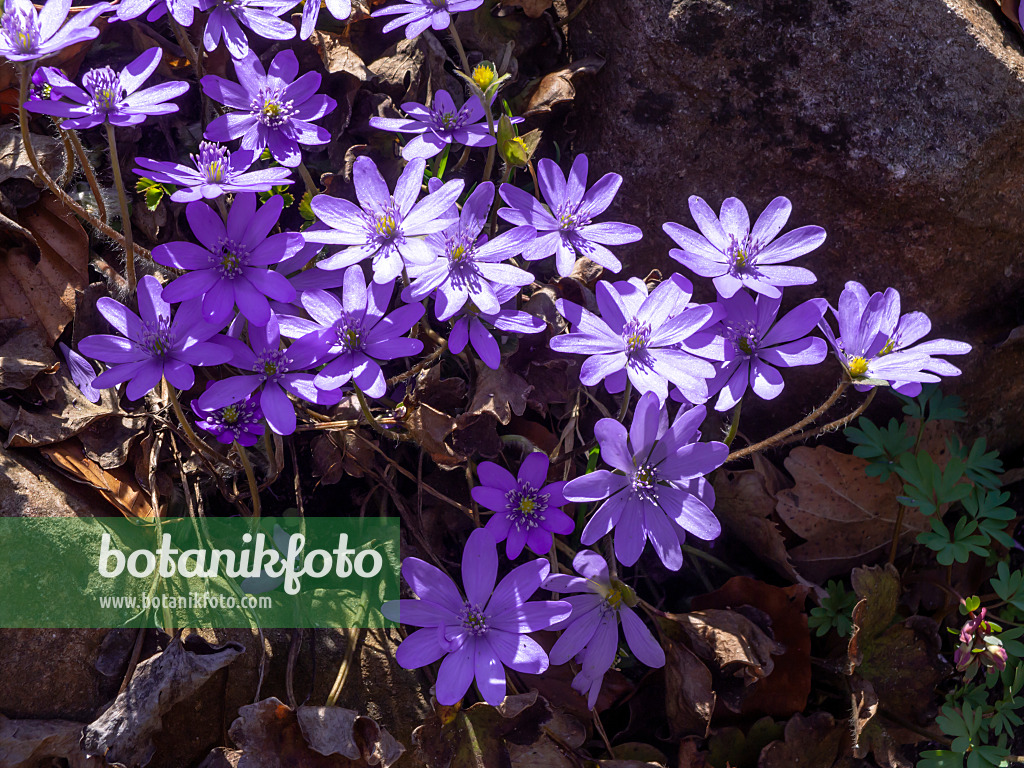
480 634
276 110
229 268
41 88
735 256
387 228
421 14
240 421
876 344
278 371
112 97
643 493
759 345
439 125
591 634
468 267
82 373
340 9
527 508
26 35
352 335
183 11
216 172
640 333
470 326
153 346
565 227
261 16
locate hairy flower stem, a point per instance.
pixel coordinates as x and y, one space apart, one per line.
838 424
69 161
193 440
307 178
734 425
365 408
625 401
458 46
780 436
250 476
536 184
90 174
126 219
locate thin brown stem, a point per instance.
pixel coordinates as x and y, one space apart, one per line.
69 160
190 436
90 174
838 424
423 364
250 476
897 529
126 218
368 415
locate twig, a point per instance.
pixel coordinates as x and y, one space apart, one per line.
421 365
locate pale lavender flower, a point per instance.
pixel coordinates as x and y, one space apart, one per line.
41 88
591 634
762 346
735 256
419 15
565 227
641 334
276 108
875 344
214 172
261 16
352 335
111 97
340 9
527 508
230 267
467 266
439 126
479 634
385 227
652 463
82 373
26 35
469 326
183 11
240 422
153 346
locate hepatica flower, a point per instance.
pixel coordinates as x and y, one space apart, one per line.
82 373
641 334
340 9
152 346
418 15
470 326
387 228
468 265
591 633
230 267
241 421
261 16
527 508
183 11
439 125
112 97
762 346
26 35
479 634
275 108
734 255
642 492
566 228
353 334
876 345
214 172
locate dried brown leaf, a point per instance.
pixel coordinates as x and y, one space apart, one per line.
14 162
532 8
337 55
689 695
499 392
31 743
68 415
731 640
816 740
558 87
116 485
25 355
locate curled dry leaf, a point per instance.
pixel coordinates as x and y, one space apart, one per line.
115 485
14 162
816 740
68 415
689 693
25 354
30 743
123 735
737 645
558 87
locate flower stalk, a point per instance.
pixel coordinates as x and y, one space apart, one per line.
126 219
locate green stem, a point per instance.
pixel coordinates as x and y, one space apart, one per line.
368 415
459 48
307 179
250 475
702 555
190 435
735 424
126 219
625 401
441 162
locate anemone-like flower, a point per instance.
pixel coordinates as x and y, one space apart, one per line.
183 11
275 108
82 373
111 97
527 507
354 334
261 16
418 15
41 88
641 334
467 266
26 35
469 326
876 344
340 9
566 227
214 172
762 346
152 346
230 267
240 422
479 634
386 227
277 372
652 462
439 126
734 255
591 633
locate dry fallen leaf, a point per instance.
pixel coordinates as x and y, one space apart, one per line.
816 740
69 414
558 87
25 355
689 695
42 742
116 485
14 162
731 640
